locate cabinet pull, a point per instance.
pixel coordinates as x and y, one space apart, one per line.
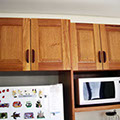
104 56
99 56
27 56
33 56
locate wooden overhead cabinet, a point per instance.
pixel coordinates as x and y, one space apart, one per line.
85 47
14 44
44 44
50 44
95 47
110 40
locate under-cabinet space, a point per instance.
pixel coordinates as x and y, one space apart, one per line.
96 90
28 78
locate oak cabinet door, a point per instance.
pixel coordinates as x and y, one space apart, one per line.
85 47
14 44
110 39
50 44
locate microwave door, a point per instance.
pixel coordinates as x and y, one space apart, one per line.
91 90
107 90
98 90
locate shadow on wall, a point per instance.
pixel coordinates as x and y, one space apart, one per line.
28 80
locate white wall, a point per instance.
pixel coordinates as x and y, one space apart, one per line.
95 115
15 80
73 18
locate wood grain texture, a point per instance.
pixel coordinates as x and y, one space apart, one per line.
66 44
11 21
34 43
13 38
74 53
95 108
50 40
50 44
85 45
110 38
49 22
26 44
98 46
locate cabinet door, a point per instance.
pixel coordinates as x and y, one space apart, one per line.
110 39
14 44
85 47
50 44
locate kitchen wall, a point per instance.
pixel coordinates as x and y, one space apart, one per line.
95 115
52 79
28 78
73 18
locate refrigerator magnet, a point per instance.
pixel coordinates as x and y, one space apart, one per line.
3 115
14 93
15 115
38 104
28 115
40 94
28 104
40 115
3 105
17 104
3 91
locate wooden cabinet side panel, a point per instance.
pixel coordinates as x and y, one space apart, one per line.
66 78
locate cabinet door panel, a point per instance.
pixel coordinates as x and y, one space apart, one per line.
14 41
50 41
110 37
85 42
50 44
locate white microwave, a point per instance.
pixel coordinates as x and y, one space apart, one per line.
94 91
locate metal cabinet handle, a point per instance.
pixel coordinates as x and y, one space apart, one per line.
33 55
99 57
104 56
27 56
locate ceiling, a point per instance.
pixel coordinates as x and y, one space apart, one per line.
107 8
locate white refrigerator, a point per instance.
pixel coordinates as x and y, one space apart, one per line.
32 102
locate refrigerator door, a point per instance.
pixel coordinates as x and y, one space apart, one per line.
32 102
